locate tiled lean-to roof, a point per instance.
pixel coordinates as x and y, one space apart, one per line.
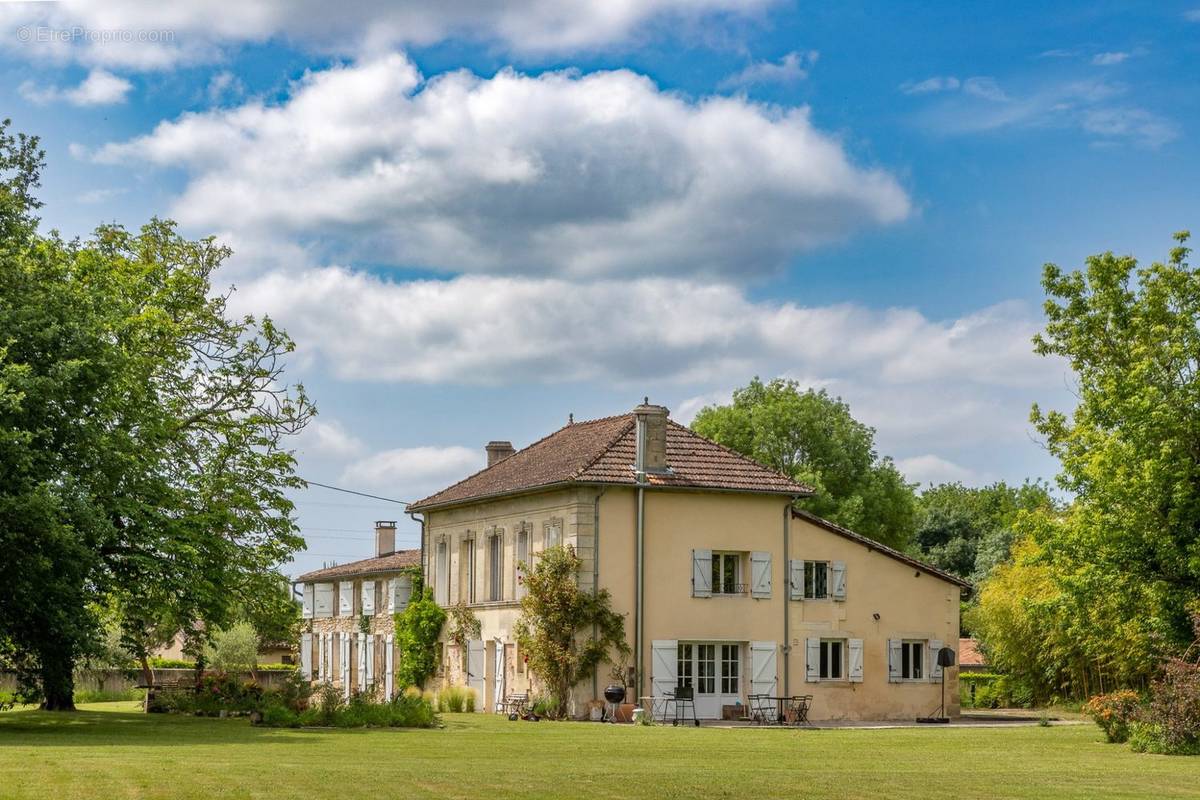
367 566
602 451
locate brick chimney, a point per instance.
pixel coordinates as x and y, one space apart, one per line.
651 438
385 537
498 451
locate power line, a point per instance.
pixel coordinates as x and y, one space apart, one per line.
351 491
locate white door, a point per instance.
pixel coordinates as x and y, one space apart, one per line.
499 676
713 670
477 671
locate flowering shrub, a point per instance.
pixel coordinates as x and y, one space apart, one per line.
1114 712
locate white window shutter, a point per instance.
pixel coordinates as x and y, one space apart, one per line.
402 592
306 656
370 681
895 660
855 649
664 666
796 579
935 672
838 580
346 665
391 596
323 600
389 676
760 574
368 598
812 659
346 599
307 605
702 573
764 677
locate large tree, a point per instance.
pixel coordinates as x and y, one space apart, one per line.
142 432
811 436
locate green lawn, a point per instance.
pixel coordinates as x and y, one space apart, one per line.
111 751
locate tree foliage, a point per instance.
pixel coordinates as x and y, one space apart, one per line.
557 618
417 629
142 432
1098 596
233 649
967 530
811 437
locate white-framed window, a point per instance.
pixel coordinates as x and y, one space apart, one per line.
466 571
727 573
553 535
683 669
912 659
521 559
442 578
706 668
731 664
816 580
495 555
833 660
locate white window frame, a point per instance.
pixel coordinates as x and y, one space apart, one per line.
719 560
552 536
521 556
442 576
810 587
685 654
909 647
730 676
466 570
826 660
495 563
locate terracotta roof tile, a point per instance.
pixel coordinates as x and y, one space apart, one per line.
969 654
392 562
602 451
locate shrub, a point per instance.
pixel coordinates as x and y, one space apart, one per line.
1114 712
7 700
101 696
1175 707
234 649
544 706
405 711
453 699
1149 737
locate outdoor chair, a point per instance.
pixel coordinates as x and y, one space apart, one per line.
684 699
799 706
761 708
513 705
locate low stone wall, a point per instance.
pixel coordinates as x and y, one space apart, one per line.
119 681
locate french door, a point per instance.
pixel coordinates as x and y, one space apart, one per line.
713 670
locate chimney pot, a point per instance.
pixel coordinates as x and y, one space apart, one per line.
385 537
497 451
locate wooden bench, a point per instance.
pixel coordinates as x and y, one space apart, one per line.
178 684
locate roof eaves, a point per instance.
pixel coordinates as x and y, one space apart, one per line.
833 527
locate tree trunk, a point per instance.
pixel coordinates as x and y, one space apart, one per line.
147 671
58 679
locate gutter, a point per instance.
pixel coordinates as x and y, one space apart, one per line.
596 580
424 567
639 586
787 594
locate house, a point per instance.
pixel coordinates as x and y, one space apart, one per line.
337 646
970 657
724 586
268 652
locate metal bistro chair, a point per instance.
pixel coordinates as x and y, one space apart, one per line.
684 699
800 705
761 708
514 705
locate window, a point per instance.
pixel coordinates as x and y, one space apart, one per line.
553 533
521 562
442 577
495 565
684 666
727 573
730 664
832 653
816 580
466 571
911 655
706 668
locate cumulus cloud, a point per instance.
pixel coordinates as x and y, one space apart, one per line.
99 88
791 68
163 35
414 472
328 439
581 174
492 330
931 469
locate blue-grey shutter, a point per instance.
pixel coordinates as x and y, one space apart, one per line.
812 659
838 580
702 573
760 574
796 579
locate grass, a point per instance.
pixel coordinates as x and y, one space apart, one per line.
112 751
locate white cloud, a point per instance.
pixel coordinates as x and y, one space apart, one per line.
1089 106
791 68
142 35
224 86
931 469
1192 15
328 439
93 196
938 83
1109 59
99 88
587 175
411 473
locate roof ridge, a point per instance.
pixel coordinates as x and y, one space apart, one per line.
742 456
607 446
515 453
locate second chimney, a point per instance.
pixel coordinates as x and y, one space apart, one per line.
385 538
498 451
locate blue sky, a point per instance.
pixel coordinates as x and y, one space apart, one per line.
475 220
